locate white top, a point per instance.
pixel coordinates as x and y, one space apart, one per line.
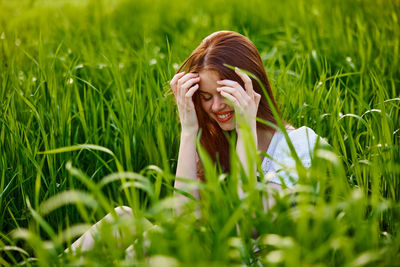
282 167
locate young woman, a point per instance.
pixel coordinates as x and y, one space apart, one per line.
211 96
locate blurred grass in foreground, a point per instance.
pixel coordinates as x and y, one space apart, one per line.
95 74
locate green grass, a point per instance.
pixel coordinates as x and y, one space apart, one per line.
92 77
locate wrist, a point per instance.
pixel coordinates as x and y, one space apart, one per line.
253 130
188 132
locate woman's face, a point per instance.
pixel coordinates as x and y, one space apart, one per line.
213 103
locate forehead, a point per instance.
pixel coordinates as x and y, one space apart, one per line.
208 81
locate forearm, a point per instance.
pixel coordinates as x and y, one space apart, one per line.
186 158
249 165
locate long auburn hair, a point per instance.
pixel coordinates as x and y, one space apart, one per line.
217 49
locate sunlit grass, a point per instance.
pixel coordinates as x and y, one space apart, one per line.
87 123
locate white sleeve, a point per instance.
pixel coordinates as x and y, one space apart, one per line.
284 165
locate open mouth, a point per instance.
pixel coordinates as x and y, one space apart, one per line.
224 116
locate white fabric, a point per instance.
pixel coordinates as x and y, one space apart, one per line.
282 167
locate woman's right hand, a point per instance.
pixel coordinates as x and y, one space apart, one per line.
184 86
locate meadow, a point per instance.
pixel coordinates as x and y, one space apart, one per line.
88 123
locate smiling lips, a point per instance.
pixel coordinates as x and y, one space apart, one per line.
224 116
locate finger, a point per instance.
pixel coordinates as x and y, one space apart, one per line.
190 83
237 86
192 90
186 77
230 98
240 97
257 98
234 84
228 83
182 91
248 84
176 77
175 80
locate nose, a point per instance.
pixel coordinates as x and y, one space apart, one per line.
219 103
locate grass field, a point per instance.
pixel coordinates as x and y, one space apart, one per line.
88 123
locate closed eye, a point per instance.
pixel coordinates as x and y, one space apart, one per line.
206 97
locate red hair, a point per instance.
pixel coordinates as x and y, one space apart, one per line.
219 48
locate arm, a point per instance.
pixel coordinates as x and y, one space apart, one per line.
184 86
241 150
187 159
245 102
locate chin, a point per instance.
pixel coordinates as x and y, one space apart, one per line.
226 127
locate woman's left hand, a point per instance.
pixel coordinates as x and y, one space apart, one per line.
245 100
